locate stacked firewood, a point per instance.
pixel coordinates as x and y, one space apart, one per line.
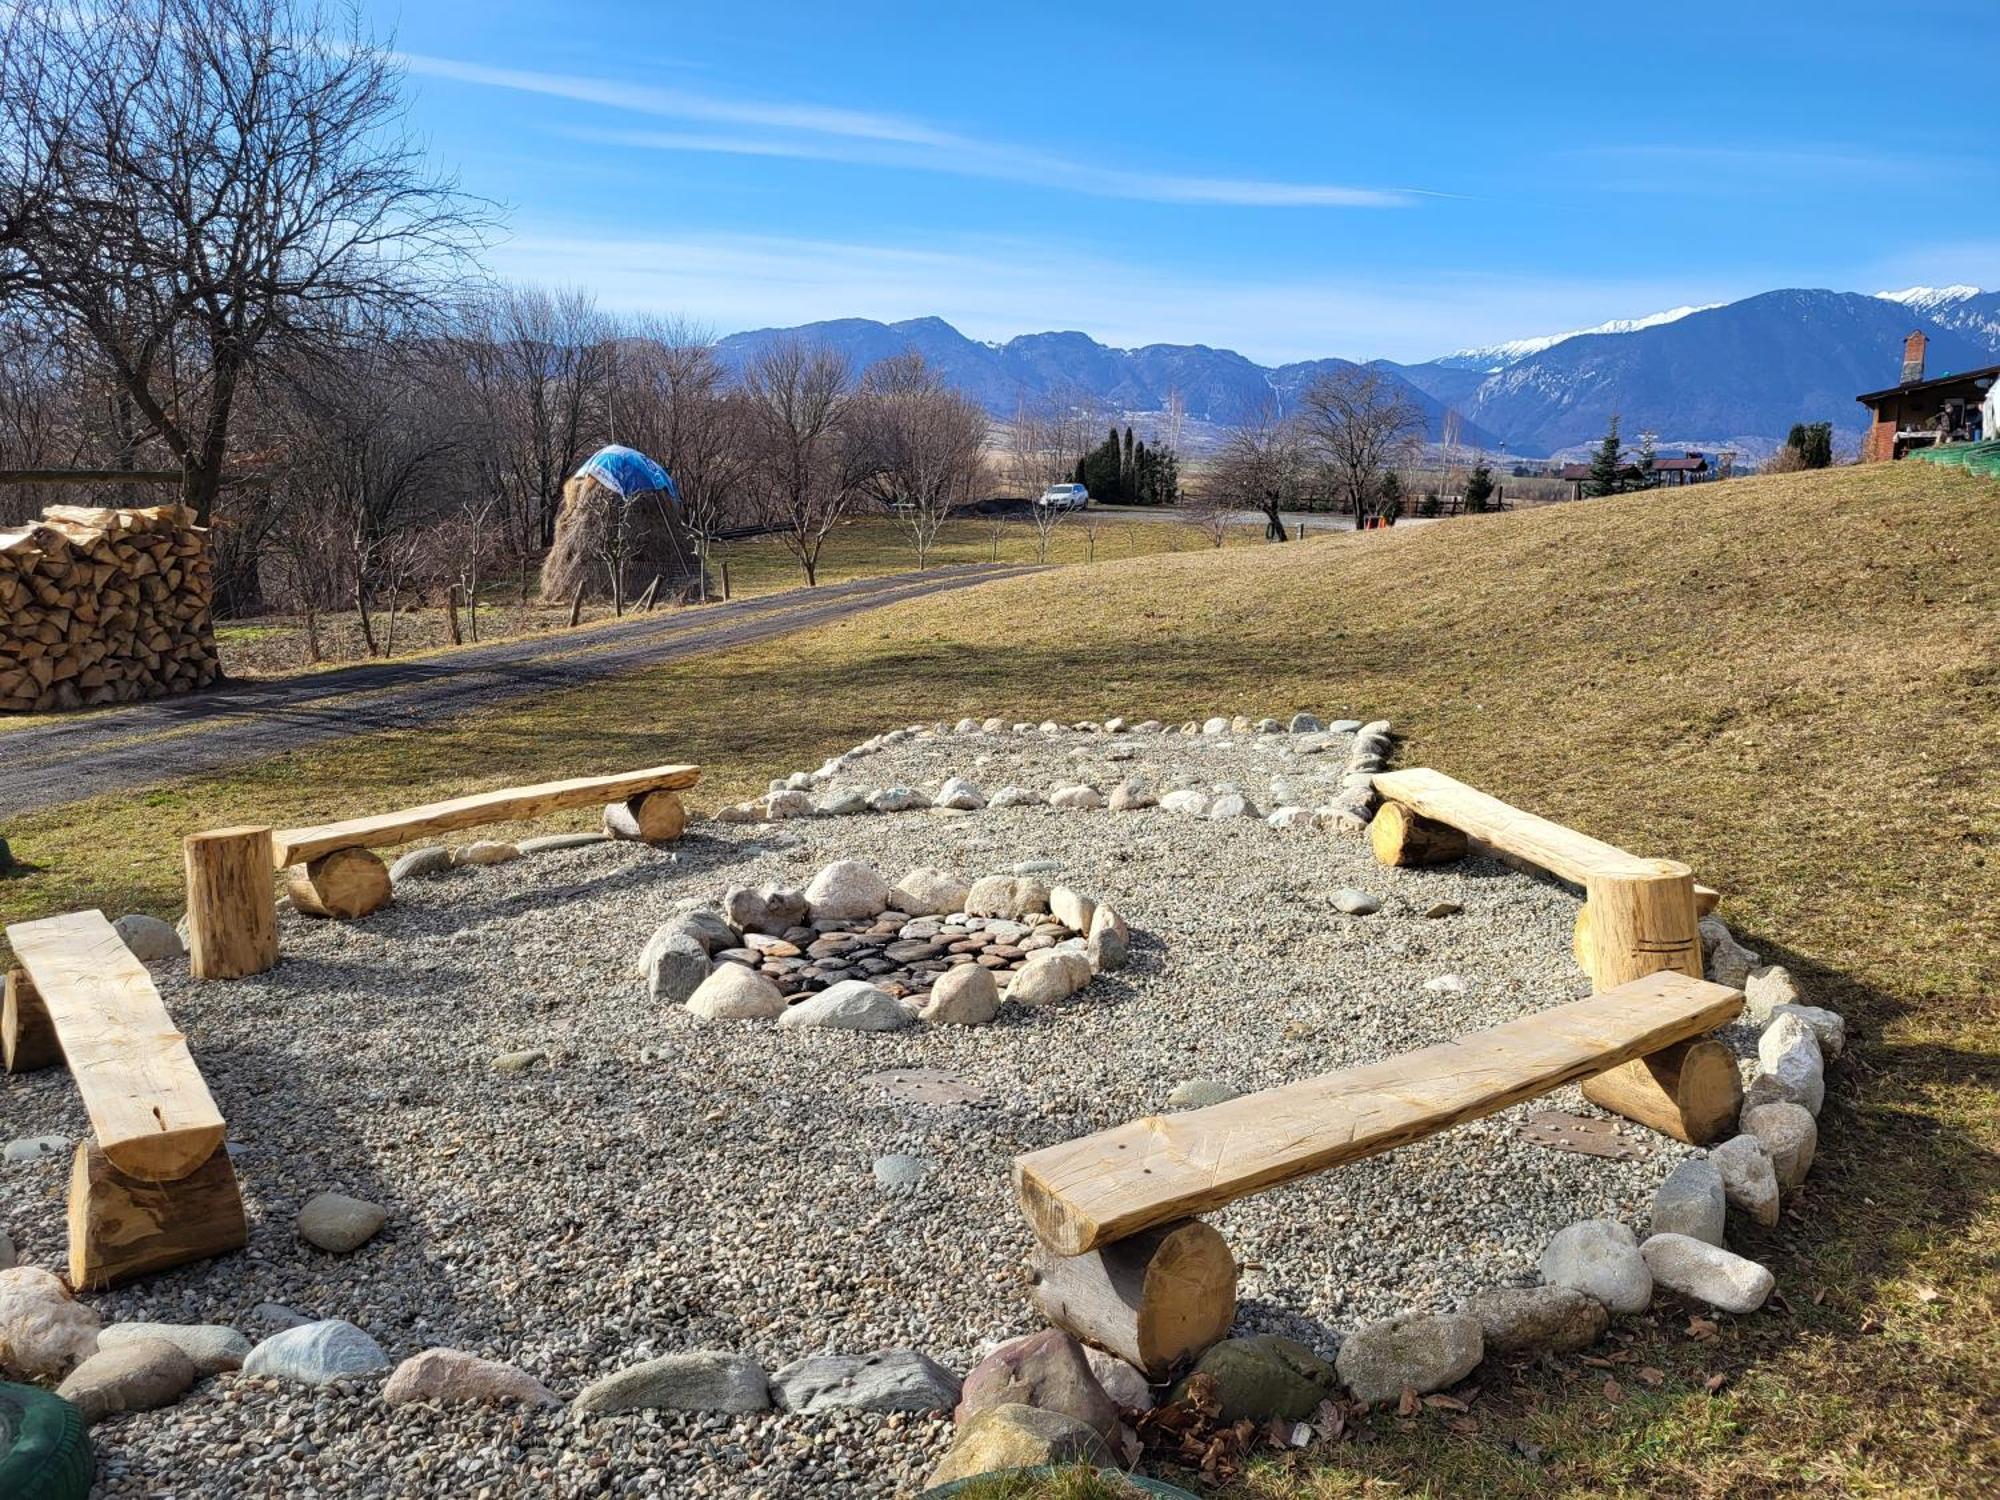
104 606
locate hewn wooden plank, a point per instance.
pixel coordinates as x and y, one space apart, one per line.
291 846
1103 1187
148 1106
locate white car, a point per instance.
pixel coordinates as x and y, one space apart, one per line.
1065 497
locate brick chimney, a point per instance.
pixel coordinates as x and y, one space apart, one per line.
1913 358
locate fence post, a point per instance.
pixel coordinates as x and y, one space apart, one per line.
725 582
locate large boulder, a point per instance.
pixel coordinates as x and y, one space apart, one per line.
767 909
210 1347
675 963
137 1375
735 993
1726 960
1015 1436
1048 976
959 795
1791 1064
44 1332
1262 1377
851 1005
1600 1258
1691 1202
928 891
317 1354
704 1380
1707 1273
1414 1351
149 938
964 996
1551 1319
449 1375
1789 1136
887 1380
1749 1179
991 896
846 889
1044 1370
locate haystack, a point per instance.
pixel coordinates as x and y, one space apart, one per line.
619 528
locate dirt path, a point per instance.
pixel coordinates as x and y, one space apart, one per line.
72 758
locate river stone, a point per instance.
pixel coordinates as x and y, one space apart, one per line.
1789 1135
44 1332
1107 950
1072 908
1826 1026
1264 1376
1048 976
29 1148
1291 818
432 859
1016 796
1600 1258
1535 1319
735 993
1199 1093
1231 805
1726 960
1707 1273
1189 800
964 996
519 1061
846 889
887 1380
1305 724
891 799
1355 903
1749 1179
1013 1436
149 938
842 804
705 1380
1126 1385
336 1222
555 843
1691 1202
850 1005
898 1174
1420 1351
991 896
676 962
485 852
453 1376
317 1354
959 794
928 891
137 1375
1077 798
1044 1370
1767 988
1131 795
1792 1062
210 1347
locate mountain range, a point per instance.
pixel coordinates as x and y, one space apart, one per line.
1732 375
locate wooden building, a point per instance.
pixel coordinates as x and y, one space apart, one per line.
1918 413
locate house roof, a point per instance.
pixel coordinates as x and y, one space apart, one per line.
1692 464
1986 372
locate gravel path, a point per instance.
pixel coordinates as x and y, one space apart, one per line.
74 756
663 1184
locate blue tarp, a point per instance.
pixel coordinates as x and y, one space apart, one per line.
628 472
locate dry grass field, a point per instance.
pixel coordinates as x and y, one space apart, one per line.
1790 683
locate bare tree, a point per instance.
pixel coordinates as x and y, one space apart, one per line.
216 180
1262 464
922 447
803 467
1045 442
1356 424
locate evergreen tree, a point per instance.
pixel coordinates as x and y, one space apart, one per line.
1099 471
1479 486
1605 464
1813 442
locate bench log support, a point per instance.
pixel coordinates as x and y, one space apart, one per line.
1156 1299
232 910
27 1039
1402 837
121 1227
655 818
347 883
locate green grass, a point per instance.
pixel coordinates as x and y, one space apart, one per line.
1790 683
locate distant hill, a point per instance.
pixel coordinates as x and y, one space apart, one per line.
1737 375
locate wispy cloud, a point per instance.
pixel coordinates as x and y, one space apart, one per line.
993 286
826 133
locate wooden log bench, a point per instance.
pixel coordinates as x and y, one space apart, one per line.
1117 1265
1639 916
153 1188
332 871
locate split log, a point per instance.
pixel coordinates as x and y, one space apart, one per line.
121 1227
232 911
655 818
27 1037
1690 1091
1156 1300
347 883
1402 837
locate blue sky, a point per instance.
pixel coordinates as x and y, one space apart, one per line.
1287 180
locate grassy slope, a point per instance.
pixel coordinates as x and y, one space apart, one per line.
1789 683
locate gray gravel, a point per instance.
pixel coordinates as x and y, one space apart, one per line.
660 1184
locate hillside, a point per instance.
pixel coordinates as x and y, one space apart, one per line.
1787 682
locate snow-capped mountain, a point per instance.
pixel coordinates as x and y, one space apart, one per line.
1965 309
1494 357
1930 298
